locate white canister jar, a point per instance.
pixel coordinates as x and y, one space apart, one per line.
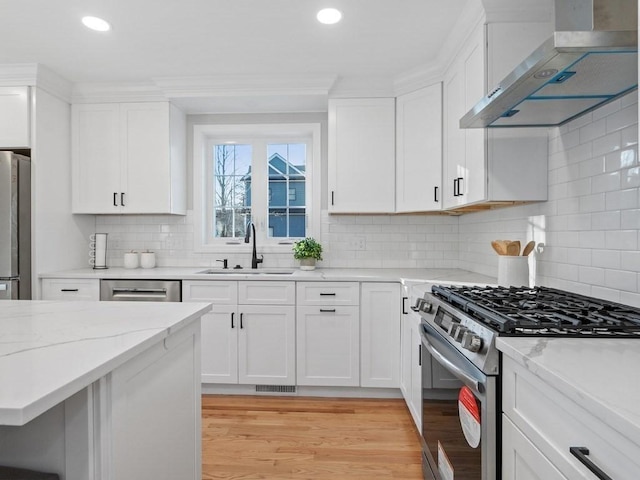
513 271
147 259
131 260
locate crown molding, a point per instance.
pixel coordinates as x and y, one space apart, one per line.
417 78
116 92
53 83
18 74
359 87
35 75
245 85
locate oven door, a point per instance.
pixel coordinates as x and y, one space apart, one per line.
459 435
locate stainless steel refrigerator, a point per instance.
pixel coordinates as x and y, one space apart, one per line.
15 227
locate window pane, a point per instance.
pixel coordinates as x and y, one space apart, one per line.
232 186
287 179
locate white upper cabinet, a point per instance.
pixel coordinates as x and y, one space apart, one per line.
14 117
129 158
419 150
491 165
362 155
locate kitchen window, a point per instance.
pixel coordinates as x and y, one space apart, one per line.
265 174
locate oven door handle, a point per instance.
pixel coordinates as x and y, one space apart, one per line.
465 378
473 383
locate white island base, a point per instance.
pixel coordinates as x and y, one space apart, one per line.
104 391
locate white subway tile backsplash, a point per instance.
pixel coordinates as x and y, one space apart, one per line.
606 258
606 144
621 280
606 110
631 178
591 223
592 275
609 220
605 183
621 119
622 199
592 203
593 130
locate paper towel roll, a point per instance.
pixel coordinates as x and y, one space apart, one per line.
100 249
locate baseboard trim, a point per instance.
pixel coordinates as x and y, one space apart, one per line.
304 391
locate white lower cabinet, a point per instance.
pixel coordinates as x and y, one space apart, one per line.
521 460
70 289
266 345
328 334
541 424
411 366
244 342
220 349
328 343
380 310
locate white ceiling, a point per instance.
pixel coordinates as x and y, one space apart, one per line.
168 38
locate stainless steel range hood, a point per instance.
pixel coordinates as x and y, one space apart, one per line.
590 60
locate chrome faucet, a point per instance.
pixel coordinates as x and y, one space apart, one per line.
254 257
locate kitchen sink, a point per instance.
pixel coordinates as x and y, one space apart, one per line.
219 271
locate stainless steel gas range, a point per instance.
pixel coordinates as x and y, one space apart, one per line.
459 327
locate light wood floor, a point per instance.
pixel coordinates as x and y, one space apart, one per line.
263 437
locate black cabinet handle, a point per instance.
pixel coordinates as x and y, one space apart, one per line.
435 194
69 290
404 304
455 187
241 325
327 294
327 310
419 355
460 179
331 197
115 199
581 454
122 199
232 314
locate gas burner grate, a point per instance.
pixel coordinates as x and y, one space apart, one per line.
542 311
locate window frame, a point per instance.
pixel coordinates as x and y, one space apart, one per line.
204 135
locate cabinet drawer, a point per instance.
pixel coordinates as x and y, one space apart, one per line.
554 423
220 292
328 293
70 289
266 293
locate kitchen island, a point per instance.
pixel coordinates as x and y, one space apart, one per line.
101 390
563 394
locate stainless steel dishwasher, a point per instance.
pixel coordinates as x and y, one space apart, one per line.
141 290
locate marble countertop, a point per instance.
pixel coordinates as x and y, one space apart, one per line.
406 276
599 374
51 350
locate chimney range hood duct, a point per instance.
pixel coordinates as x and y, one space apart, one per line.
590 60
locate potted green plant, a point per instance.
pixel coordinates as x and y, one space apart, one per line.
307 250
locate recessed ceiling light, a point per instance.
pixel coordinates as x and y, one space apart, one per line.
329 16
97 24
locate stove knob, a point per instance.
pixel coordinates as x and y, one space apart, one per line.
471 341
458 332
418 305
426 306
